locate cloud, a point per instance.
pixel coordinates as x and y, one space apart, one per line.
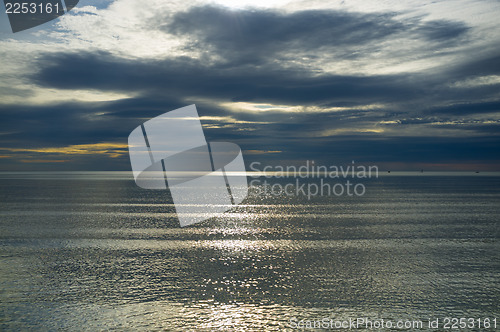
113 150
257 35
443 31
187 77
320 40
383 86
464 108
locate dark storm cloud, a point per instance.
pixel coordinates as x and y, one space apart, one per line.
257 36
55 125
191 78
480 66
185 78
37 126
466 108
442 30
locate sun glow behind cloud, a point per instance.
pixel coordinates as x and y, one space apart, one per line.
262 108
112 150
41 96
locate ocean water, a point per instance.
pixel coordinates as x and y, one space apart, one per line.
92 251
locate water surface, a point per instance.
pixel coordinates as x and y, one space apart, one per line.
92 251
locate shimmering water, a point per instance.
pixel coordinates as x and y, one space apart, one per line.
91 251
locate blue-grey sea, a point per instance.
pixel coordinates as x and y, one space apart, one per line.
92 251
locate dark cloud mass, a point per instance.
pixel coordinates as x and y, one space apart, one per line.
193 78
415 118
258 36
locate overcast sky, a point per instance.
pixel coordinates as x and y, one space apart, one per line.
402 85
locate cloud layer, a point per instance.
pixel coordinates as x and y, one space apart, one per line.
329 84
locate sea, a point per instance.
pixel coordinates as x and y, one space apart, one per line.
91 251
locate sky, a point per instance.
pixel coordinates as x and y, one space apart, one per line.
404 85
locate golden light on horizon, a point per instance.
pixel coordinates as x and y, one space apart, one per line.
113 150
